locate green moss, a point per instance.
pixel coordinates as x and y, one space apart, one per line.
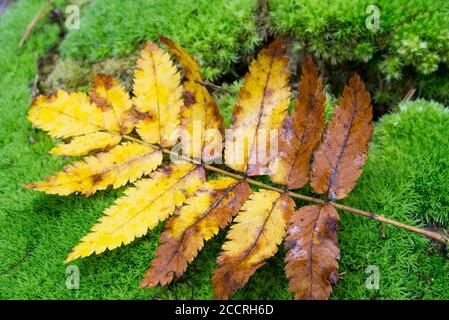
411 44
77 75
226 100
411 33
218 33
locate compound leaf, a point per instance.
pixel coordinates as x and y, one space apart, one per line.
162 111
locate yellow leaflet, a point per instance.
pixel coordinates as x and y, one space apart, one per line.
66 114
200 204
200 118
256 212
143 206
201 122
85 144
258 230
261 107
123 163
110 96
158 94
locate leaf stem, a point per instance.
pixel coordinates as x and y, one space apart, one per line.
430 234
213 86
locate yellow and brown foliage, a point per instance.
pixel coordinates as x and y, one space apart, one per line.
129 133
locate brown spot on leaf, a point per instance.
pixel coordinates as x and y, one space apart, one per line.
166 170
104 80
189 98
245 94
138 115
97 178
100 102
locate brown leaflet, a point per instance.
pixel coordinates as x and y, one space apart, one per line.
312 252
339 159
185 234
301 133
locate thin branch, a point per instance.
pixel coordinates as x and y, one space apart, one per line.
17 263
430 234
409 95
40 14
214 86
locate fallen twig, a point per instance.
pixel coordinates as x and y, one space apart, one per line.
41 13
16 263
409 95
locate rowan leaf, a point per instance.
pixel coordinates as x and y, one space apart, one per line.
113 100
158 94
87 143
339 158
123 163
261 107
203 215
312 252
150 201
301 133
259 229
66 114
201 121
162 111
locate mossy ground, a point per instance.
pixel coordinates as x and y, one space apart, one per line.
406 178
406 48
